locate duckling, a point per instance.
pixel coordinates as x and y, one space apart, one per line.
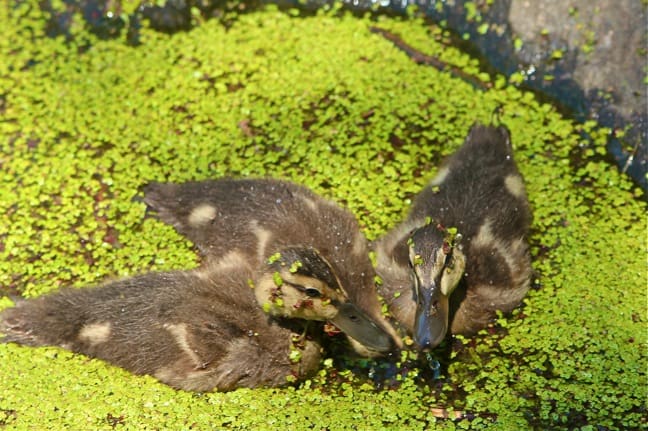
462 250
312 260
196 330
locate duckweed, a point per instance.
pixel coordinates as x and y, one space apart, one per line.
325 102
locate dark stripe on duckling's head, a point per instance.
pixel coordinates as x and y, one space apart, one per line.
307 262
299 283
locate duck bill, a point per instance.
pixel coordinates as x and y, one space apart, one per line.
357 325
431 320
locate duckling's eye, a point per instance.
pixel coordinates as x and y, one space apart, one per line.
312 292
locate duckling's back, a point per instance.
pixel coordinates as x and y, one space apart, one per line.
480 181
190 329
250 219
479 191
252 214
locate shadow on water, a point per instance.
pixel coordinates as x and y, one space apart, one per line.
495 50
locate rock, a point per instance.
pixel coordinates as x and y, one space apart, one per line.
588 57
606 45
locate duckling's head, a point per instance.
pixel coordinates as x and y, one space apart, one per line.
437 264
298 282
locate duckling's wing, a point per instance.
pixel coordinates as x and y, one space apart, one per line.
260 359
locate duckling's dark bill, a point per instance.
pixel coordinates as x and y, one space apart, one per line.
431 321
357 325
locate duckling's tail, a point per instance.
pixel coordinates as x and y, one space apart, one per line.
14 327
38 322
165 202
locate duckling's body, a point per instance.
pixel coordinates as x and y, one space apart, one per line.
283 229
193 330
480 192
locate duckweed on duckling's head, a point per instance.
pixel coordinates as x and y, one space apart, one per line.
325 102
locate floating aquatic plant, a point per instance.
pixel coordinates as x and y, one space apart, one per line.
326 102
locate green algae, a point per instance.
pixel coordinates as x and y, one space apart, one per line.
325 102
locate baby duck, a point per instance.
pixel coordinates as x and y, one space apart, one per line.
196 330
311 258
462 250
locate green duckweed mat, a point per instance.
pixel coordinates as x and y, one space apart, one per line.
325 102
